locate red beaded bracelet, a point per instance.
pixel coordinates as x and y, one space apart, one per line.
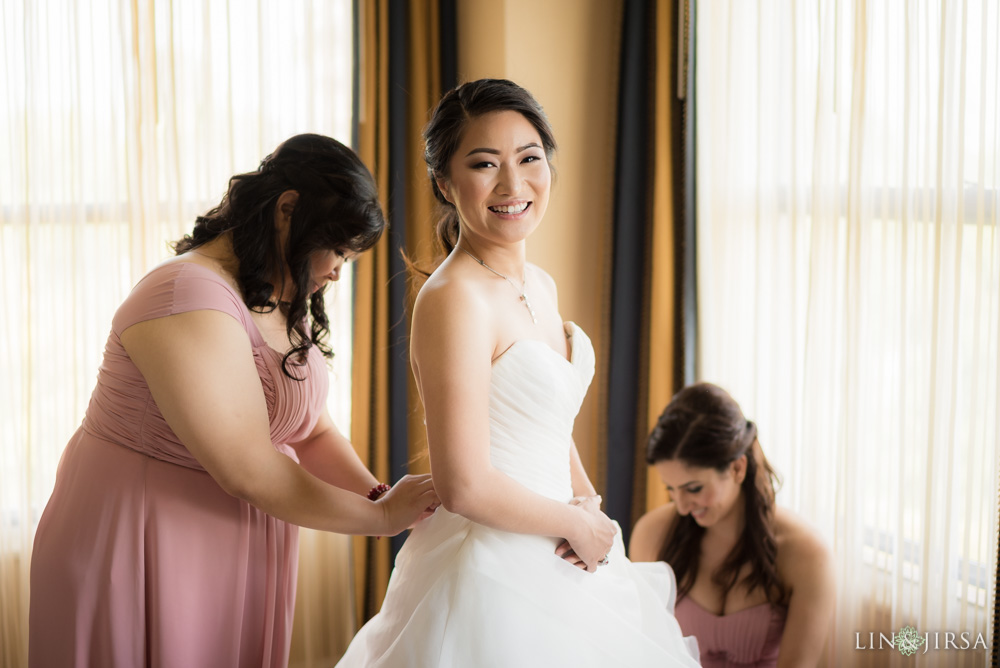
378 490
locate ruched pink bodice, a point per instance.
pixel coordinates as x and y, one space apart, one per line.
744 639
123 412
140 558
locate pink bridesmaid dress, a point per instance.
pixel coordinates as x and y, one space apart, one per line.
748 638
140 558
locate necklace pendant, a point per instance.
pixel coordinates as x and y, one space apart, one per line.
531 311
521 293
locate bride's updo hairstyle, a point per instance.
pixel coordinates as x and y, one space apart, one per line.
337 209
443 134
703 427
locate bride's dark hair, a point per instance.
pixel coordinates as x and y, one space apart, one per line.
703 427
337 209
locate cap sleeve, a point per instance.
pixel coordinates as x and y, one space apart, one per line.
178 287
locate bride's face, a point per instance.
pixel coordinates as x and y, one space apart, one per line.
499 178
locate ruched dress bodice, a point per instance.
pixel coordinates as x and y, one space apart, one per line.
532 410
749 638
123 412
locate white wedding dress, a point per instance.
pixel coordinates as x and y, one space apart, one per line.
463 595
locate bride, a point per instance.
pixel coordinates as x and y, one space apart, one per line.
519 567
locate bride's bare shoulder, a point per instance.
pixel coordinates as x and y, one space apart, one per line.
449 290
452 310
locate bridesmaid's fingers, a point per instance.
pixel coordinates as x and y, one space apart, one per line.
563 548
428 511
565 552
572 558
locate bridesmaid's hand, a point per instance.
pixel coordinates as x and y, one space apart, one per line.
564 551
407 502
427 512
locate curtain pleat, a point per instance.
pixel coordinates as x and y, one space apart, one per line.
666 268
400 80
370 395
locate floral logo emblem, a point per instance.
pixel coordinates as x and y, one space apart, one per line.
908 641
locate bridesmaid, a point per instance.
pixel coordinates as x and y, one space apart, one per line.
170 538
755 584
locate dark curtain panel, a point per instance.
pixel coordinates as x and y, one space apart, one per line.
399 367
448 26
631 212
652 307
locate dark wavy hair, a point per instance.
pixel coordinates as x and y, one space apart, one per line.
337 209
703 427
444 132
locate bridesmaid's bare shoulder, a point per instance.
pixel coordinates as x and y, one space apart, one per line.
803 554
650 532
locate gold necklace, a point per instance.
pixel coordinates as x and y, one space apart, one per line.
522 294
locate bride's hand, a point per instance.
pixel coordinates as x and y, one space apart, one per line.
589 501
408 501
594 536
564 550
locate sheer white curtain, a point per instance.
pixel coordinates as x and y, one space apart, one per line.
849 292
120 121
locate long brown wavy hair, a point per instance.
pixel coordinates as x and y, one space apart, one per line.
703 427
337 209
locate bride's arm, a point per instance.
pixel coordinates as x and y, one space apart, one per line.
581 481
452 345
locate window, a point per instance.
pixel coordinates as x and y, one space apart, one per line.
119 123
849 285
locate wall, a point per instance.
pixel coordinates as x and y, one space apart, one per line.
566 53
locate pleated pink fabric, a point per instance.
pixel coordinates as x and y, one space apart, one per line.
744 639
140 558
